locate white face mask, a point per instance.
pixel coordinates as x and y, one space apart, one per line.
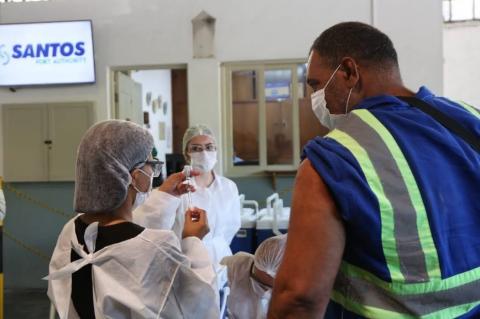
319 106
203 161
141 197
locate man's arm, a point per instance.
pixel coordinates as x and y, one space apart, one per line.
315 244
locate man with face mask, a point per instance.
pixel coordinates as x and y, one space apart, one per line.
105 266
250 278
383 221
216 194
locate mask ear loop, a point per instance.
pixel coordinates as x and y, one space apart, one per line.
134 186
348 100
331 76
350 93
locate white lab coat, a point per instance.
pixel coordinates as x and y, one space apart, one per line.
221 202
147 276
247 298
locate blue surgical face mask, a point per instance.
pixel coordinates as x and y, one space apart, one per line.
319 106
141 197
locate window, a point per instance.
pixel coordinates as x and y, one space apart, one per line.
268 117
461 10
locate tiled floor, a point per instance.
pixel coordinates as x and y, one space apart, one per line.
26 304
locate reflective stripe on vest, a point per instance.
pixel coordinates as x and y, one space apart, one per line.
470 109
417 289
406 238
362 292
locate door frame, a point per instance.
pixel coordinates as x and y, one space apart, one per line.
126 68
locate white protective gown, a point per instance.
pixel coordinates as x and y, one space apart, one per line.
147 276
221 202
247 298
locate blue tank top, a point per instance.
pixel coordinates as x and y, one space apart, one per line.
447 172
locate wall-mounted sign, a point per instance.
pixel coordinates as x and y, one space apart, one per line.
46 53
277 90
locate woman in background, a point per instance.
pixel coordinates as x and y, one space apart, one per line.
215 194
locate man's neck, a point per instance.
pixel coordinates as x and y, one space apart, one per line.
385 83
389 90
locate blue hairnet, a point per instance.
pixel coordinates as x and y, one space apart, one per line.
107 153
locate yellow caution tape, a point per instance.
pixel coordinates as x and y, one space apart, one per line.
22 195
28 248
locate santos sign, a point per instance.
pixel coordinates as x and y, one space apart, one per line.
46 53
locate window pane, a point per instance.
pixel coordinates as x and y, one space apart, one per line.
477 9
446 10
245 118
462 10
309 124
278 96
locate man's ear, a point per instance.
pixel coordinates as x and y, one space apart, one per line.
350 69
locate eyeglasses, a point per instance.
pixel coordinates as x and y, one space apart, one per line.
197 148
155 164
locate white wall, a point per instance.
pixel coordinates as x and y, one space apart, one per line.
158 32
462 51
415 28
158 83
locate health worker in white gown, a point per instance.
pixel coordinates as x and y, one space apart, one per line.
215 194
104 265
